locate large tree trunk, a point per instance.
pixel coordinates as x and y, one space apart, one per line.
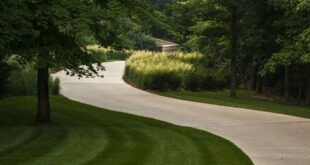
234 47
286 83
43 111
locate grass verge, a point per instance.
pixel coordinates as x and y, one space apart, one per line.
244 100
83 134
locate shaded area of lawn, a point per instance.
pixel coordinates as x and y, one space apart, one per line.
82 134
244 100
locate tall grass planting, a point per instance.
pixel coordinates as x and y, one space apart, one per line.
23 82
107 54
171 71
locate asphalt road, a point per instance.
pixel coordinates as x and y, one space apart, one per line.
267 138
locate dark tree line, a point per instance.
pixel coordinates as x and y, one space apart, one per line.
264 44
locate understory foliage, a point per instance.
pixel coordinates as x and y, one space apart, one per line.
5 70
172 71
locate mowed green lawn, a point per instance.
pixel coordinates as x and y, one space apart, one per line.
244 100
82 134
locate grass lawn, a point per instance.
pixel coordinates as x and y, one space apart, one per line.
244 100
82 134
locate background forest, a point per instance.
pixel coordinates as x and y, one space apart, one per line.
264 45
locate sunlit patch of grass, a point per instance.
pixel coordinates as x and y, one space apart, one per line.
244 100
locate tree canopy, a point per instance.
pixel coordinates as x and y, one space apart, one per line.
55 33
271 41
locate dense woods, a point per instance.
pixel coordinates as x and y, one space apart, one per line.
264 44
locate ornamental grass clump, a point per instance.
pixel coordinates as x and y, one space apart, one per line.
22 82
107 54
168 71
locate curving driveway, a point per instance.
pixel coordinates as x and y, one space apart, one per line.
268 138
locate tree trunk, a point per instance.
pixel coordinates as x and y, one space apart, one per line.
234 47
43 111
286 83
308 91
253 76
259 86
299 94
245 81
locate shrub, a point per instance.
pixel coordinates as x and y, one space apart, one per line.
143 42
213 79
22 82
193 81
163 81
5 70
54 86
171 71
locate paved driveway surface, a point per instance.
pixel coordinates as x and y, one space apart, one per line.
268 138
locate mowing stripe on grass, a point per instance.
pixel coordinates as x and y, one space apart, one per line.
82 134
